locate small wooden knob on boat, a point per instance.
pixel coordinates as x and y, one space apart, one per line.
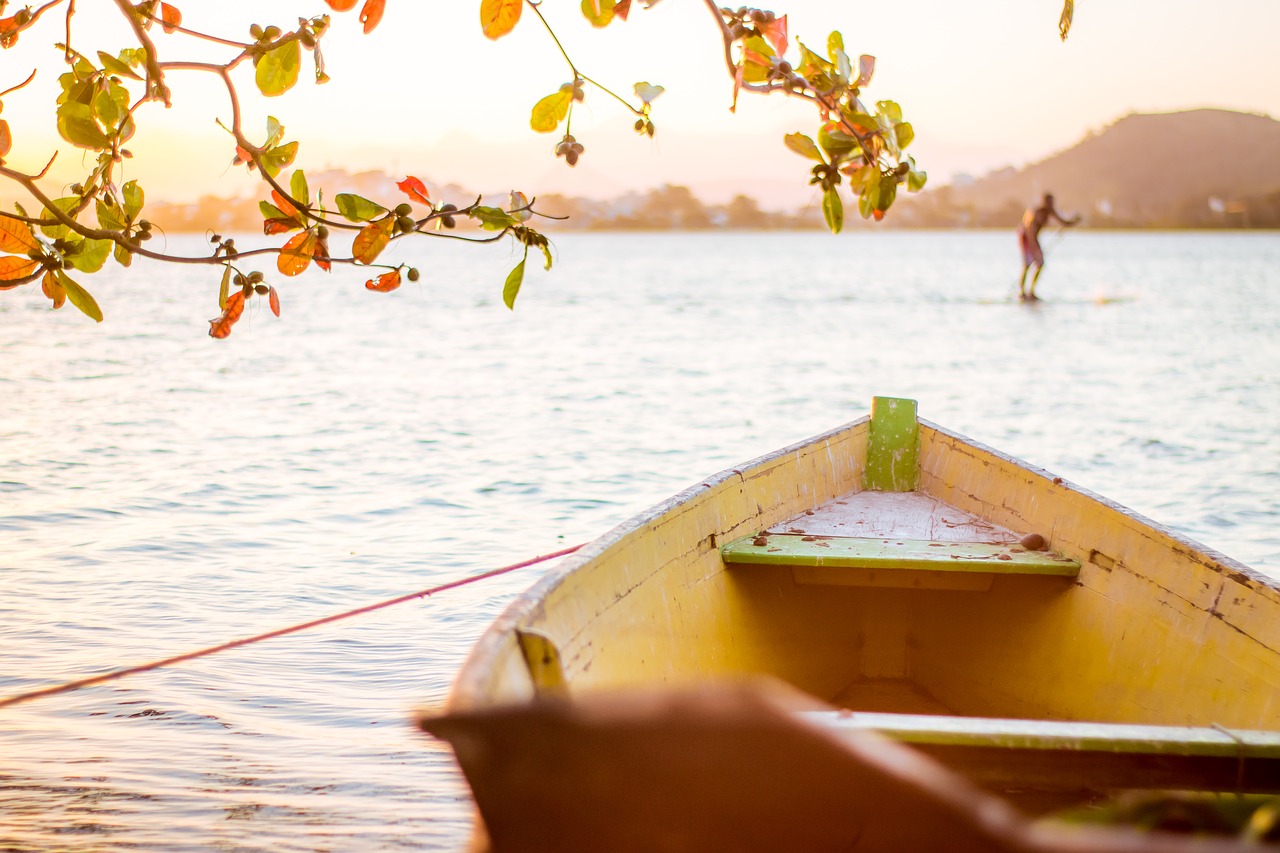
1034 542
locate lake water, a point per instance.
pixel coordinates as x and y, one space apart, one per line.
161 491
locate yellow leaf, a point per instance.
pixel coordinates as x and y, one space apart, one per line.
499 17
295 255
550 111
372 239
598 12
16 236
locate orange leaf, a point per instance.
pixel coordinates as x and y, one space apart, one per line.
295 256
321 255
384 283
372 239
221 327
775 32
286 206
415 189
499 17
6 138
878 214
170 17
621 9
273 299
53 289
278 225
9 29
16 236
13 268
341 5
371 14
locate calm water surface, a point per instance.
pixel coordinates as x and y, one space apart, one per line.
160 491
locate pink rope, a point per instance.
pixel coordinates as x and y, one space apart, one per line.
280 632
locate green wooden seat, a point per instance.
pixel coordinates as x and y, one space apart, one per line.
1051 755
851 561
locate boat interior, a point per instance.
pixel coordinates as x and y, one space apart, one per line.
930 588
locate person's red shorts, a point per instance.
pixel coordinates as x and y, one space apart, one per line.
1031 253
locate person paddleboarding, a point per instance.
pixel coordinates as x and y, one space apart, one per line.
1029 242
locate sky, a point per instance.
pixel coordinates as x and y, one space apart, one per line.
985 83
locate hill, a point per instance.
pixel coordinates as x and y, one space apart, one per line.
1196 168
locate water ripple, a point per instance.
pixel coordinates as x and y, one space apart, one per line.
162 492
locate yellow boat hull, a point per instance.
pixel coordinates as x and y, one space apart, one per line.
1154 629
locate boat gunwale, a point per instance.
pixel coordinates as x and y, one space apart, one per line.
1225 563
468 685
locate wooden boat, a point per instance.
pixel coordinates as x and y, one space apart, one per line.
966 644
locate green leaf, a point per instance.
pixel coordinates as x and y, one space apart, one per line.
133 199
550 111
835 42
111 218
278 69
270 211
298 188
511 289
888 192
890 110
114 66
120 97
756 56
89 255
835 50
106 109
822 75
66 204
123 256
80 297
865 179
833 210
77 125
275 159
357 208
126 130
905 133
224 289
916 177
598 12
865 206
836 143
275 132
804 146
546 254
493 218
865 121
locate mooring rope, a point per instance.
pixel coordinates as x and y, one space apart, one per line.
69 686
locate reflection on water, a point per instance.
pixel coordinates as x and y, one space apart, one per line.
160 491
